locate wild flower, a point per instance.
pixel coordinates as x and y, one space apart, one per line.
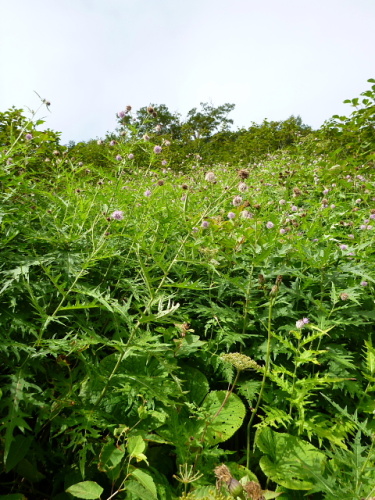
282 231
237 200
351 236
245 214
117 215
294 208
205 224
333 206
164 163
166 142
157 149
240 361
302 322
121 114
130 156
112 143
344 296
282 202
325 191
210 177
243 187
270 225
99 142
118 157
146 137
28 137
364 283
194 229
344 247
147 192
231 215
358 201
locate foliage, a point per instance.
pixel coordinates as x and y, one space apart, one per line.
157 323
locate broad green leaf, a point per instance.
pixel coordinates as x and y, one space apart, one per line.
17 451
110 456
195 382
85 489
284 459
146 481
221 426
136 446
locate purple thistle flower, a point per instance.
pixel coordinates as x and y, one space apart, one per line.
302 322
28 137
121 114
237 200
118 215
130 156
118 157
231 215
294 208
205 224
344 247
157 149
147 192
282 231
372 216
364 283
270 225
164 162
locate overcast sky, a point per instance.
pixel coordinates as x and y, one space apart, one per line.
271 58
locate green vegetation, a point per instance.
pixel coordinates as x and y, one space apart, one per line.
188 314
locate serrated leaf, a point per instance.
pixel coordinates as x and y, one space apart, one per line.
146 481
85 489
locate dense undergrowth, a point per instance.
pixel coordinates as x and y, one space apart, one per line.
168 333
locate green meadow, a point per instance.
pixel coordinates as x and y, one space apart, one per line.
187 312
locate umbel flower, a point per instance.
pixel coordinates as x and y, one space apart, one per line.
240 361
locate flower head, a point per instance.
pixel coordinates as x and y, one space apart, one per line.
302 322
28 137
270 225
118 157
147 192
243 187
237 200
157 149
231 215
210 177
205 224
130 156
117 215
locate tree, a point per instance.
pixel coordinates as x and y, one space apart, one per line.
203 124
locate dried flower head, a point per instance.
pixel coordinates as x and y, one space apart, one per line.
243 174
240 361
160 182
254 491
344 296
150 110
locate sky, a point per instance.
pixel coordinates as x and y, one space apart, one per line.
271 58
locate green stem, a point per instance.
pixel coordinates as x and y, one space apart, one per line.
265 373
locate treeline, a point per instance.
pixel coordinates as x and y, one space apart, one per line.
204 137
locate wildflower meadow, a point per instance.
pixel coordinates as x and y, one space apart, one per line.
188 312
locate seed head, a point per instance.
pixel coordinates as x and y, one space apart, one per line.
240 361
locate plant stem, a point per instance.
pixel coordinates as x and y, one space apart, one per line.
265 373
